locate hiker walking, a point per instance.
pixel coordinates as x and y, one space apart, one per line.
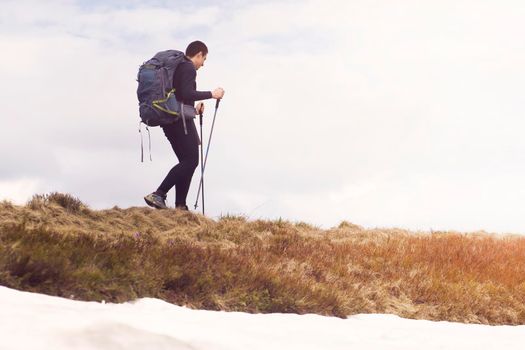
182 134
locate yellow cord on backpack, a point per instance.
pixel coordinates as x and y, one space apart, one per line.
157 103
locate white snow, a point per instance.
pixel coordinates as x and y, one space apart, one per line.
36 321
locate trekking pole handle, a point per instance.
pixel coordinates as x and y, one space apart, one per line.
217 103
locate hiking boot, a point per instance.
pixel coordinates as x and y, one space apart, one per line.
182 207
156 201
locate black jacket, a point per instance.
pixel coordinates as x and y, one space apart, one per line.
185 84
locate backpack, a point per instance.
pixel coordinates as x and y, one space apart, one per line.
158 105
157 102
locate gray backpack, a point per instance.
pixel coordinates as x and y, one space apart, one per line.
157 103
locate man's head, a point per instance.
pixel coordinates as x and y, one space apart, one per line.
197 52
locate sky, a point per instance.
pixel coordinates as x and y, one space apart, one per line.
58 323
402 114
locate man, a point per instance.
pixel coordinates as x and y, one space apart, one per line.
186 147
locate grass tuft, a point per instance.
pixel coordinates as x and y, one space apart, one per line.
67 201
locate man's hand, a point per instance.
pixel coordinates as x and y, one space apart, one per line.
200 108
218 93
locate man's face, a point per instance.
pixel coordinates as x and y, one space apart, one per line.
199 61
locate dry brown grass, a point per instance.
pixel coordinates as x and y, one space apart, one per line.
59 246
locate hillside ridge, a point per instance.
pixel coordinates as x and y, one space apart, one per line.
57 245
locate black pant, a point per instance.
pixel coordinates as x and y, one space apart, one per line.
186 149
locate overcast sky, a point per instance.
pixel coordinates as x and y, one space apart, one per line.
383 113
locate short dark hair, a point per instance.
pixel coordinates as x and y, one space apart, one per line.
196 47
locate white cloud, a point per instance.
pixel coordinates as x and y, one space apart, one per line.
19 191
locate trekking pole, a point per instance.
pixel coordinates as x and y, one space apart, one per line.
201 184
202 169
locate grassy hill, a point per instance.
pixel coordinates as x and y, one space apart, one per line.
57 245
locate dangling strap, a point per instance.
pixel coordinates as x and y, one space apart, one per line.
141 143
149 140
